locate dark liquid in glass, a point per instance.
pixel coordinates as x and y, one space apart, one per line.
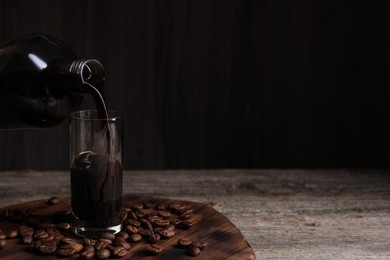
96 180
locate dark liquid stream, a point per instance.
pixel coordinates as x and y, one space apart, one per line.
96 180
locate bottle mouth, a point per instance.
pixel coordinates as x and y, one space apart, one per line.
89 70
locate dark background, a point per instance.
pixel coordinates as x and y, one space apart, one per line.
222 83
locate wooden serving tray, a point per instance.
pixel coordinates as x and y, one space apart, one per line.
225 241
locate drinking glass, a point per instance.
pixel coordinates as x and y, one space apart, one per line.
96 172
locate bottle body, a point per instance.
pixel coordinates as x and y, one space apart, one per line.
37 88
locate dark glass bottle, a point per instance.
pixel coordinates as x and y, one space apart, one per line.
42 81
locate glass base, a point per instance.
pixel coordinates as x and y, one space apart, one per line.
93 232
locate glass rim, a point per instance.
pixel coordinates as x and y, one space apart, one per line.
86 115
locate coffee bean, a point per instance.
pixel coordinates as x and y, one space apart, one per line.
25 230
77 247
47 248
2 243
87 255
164 213
132 222
120 241
53 200
155 217
165 233
180 208
107 235
75 256
66 250
90 248
146 232
103 253
161 223
67 240
34 245
89 241
63 226
161 206
185 224
140 213
201 244
183 242
137 206
193 250
135 237
175 221
170 227
131 215
123 215
119 251
131 229
148 204
123 234
145 223
48 238
27 239
186 216
154 238
3 235
153 249
100 244
12 233
40 233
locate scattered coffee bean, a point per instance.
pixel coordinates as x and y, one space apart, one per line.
148 204
146 232
131 229
40 233
2 243
27 239
132 222
193 250
153 249
12 233
77 247
145 223
89 241
3 235
66 250
137 206
67 240
201 244
119 241
154 238
53 200
185 224
164 213
140 213
135 237
170 227
161 223
183 242
119 251
165 233
186 216
131 215
90 248
75 256
63 226
175 221
107 235
123 234
87 255
103 253
161 206
102 243
25 230
47 248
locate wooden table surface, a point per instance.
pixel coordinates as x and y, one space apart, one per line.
284 214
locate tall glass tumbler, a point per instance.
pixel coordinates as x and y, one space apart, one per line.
96 172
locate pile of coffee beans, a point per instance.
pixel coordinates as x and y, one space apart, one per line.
146 222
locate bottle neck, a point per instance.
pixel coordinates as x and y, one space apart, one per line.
80 72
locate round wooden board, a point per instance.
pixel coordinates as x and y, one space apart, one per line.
225 241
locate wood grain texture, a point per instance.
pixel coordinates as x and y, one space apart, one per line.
284 214
223 238
223 83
